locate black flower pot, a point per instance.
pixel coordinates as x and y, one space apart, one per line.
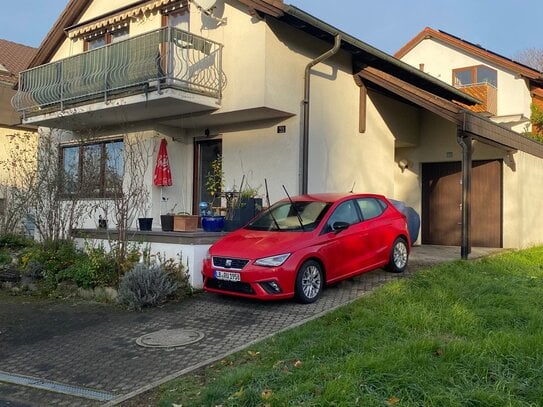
145 223
166 221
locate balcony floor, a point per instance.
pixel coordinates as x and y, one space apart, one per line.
167 103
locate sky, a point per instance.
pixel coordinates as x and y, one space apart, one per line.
503 26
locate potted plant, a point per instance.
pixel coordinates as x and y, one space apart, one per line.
145 223
212 221
242 207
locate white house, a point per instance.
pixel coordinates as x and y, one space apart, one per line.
282 96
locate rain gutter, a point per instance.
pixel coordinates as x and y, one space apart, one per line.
305 130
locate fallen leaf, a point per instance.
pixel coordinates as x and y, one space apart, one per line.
177 405
438 352
298 363
238 394
277 364
253 353
266 394
393 401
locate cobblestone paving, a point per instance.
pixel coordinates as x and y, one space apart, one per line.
94 346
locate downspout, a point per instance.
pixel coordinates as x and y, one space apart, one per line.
305 130
465 142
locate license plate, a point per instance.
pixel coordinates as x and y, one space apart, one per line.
227 276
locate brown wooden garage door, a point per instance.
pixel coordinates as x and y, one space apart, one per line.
441 203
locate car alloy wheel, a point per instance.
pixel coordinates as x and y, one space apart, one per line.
309 282
398 256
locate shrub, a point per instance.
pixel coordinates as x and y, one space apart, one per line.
178 273
5 258
52 256
145 285
15 241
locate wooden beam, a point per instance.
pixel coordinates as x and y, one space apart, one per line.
362 115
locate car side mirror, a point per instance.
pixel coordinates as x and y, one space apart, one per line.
339 226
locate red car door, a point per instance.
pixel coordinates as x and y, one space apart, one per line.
340 249
375 226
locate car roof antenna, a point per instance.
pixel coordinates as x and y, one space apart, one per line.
295 209
352 189
269 206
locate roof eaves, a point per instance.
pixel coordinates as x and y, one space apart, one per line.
360 45
472 48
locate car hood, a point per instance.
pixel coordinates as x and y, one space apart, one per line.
254 244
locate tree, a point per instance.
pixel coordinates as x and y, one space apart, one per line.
533 57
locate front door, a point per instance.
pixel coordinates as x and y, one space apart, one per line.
442 203
206 152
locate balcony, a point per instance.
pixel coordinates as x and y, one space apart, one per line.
161 73
486 93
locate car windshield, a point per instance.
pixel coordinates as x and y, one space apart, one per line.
284 216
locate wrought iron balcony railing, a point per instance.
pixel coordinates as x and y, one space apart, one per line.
165 58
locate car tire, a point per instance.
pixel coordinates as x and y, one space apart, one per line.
309 282
398 256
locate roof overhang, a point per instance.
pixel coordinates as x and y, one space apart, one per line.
366 55
473 49
479 127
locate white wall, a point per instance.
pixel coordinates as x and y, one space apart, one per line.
440 59
522 201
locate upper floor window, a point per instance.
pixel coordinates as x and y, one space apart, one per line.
108 36
93 170
474 75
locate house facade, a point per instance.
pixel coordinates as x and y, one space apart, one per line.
507 90
279 94
15 138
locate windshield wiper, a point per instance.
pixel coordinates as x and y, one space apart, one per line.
269 206
295 209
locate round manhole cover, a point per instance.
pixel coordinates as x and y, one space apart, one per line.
169 338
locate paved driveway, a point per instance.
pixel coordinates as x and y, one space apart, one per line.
89 351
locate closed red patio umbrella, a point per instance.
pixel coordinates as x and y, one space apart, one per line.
163 174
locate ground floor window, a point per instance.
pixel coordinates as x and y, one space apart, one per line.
93 170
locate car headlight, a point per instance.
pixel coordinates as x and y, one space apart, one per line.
272 261
208 255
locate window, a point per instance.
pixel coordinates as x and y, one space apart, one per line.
93 170
475 75
345 212
371 207
109 36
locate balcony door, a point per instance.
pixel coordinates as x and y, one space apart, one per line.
205 152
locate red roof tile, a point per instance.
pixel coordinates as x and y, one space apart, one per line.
15 58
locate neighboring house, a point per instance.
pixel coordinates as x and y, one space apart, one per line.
281 95
13 59
506 88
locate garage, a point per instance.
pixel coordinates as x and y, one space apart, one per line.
442 203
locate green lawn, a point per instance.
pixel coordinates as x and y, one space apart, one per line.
461 334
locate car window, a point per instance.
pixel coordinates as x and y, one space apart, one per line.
345 212
285 216
370 207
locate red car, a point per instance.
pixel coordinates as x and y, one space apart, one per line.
300 243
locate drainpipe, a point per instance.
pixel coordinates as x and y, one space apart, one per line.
465 142
305 131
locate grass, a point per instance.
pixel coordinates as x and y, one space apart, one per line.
460 334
